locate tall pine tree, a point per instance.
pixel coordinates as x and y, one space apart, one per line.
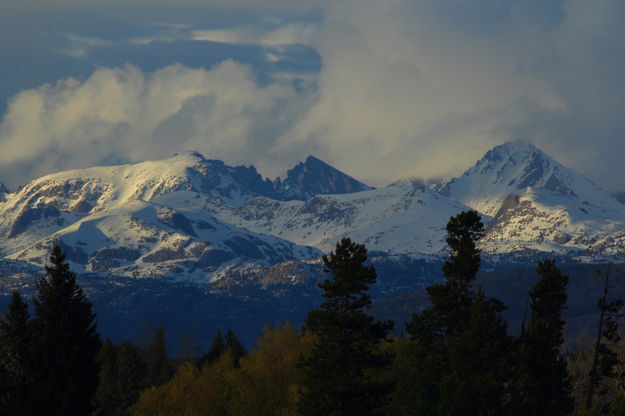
64 344
158 369
605 357
234 347
339 373
15 364
541 382
460 345
217 348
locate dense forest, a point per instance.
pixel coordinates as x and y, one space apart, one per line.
455 357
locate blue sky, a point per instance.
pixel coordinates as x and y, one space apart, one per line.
383 90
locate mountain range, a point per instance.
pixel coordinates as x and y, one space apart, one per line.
197 219
229 233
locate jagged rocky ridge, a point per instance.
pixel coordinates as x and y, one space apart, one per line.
191 218
315 177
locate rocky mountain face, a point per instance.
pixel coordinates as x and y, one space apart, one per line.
315 177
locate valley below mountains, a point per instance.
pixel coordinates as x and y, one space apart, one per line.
189 238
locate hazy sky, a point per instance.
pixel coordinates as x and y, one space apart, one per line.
383 89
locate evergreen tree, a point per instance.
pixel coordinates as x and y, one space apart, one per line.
463 232
122 376
460 345
65 344
541 383
220 345
339 374
605 358
217 348
158 368
234 347
15 365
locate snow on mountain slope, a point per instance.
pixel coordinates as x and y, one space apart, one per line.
511 168
404 218
619 196
315 177
544 221
188 215
534 203
50 203
94 189
148 239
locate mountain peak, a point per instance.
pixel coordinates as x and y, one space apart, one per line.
514 167
312 159
514 149
313 177
190 154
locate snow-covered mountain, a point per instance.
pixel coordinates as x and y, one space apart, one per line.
193 240
315 177
403 218
147 239
53 202
532 202
512 168
199 219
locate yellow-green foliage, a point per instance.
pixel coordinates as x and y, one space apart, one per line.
191 392
266 383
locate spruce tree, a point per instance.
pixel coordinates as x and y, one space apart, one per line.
15 363
339 374
605 357
158 369
234 347
121 378
460 345
65 344
217 348
541 382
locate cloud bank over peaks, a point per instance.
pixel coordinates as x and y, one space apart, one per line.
382 90
125 115
425 88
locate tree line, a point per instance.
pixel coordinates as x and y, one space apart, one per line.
455 357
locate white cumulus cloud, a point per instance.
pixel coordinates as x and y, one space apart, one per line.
125 115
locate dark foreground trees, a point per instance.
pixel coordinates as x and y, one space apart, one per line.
458 360
340 373
16 375
460 345
122 376
541 384
49 362
64 344
221 345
